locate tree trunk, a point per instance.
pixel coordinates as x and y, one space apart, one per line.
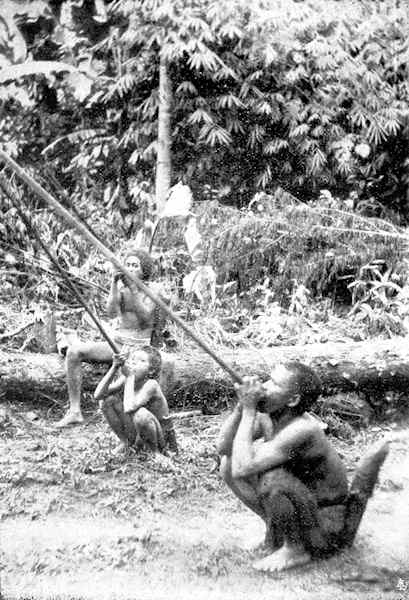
163 161
372 367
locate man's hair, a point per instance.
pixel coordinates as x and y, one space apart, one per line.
147 262
304 383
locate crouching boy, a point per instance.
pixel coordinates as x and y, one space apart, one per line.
141 417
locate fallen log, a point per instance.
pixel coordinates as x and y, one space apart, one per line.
371 367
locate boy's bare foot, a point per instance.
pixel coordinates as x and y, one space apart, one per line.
73 417
286 557
164 462
122 450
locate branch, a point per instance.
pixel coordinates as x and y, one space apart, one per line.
10 334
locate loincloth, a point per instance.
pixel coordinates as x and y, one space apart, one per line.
131 341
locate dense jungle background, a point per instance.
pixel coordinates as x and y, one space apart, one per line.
261 151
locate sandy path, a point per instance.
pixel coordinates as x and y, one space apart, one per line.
195 544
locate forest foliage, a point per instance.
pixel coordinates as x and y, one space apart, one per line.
295 112
303 95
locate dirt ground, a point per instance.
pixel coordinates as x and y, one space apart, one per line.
78 522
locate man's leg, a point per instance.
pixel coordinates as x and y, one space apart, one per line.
76 354
242 488
291 515
362 487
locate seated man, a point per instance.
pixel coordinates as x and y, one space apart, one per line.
136 319
141 417
279 462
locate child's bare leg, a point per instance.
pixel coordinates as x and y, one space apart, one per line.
121 423
158 406
148 428
129 427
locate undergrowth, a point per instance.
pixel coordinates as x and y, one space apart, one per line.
320 247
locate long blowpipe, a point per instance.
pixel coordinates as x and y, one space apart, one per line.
76 224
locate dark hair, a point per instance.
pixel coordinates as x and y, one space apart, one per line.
304 383
155 361
147 262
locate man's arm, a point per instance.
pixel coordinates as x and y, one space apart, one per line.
228 431
114 297
251 459
263 428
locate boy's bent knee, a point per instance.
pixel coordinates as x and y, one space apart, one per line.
147 427
145 422
107 404
142 417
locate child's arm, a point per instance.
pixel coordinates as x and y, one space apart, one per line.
105 386
129 393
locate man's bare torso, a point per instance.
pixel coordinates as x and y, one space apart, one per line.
130 320
314 461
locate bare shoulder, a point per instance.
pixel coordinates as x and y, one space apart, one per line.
301 431
302 424
157 287
161 290
151 386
